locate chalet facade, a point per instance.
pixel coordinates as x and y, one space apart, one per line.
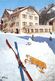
20 19
23 20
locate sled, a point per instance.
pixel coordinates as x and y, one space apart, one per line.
37 62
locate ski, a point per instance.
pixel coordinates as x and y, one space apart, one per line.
20 67
19 61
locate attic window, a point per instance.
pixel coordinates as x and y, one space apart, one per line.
30 10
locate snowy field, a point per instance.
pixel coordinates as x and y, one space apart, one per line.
41 47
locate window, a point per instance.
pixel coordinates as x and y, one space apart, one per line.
32 30
12 24
36 30
41 30
30 23
24 30
17 23
24 23
5 25
36 23
30 17
35 18
24 15
46 30
12 18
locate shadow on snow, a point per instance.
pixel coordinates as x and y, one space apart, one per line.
51 42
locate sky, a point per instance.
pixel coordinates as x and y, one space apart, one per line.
12 4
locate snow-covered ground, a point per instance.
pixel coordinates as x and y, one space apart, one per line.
41 47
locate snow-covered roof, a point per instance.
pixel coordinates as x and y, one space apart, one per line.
51 9
9 11
51 19
19 9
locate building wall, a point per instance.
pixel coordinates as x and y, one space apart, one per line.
39 29
54 25
28 14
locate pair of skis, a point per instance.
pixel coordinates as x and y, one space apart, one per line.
21 66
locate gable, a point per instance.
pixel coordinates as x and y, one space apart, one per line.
30 11
5 15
